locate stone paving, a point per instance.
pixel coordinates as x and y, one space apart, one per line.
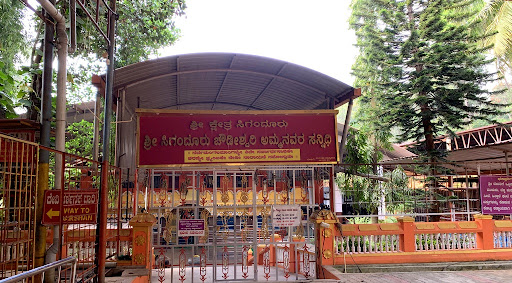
487 276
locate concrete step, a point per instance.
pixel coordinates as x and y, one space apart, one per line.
440 266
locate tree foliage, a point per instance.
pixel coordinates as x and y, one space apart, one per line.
423 70
80 136
142 28
368 193
12 46
495 18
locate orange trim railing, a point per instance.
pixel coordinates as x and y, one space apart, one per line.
414 242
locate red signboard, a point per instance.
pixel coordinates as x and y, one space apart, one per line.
236 137
78 207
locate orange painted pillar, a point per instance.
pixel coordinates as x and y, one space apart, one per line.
264 248
324 229
407 239
485 238
142 251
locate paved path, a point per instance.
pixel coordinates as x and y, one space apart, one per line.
487 276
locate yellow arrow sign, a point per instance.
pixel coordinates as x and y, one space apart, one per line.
52 213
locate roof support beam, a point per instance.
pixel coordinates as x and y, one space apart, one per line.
223 82
267 86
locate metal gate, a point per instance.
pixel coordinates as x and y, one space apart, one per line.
256 222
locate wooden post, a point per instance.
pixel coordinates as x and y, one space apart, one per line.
485 239
407 239
142 254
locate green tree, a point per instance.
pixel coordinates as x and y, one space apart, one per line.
495 18
444 72
79 140
434 75
12 47
367 189
428 75
142 28
377 29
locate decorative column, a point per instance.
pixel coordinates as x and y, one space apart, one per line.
142 254
407 239
325 225
485 238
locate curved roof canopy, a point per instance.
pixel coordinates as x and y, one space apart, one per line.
227 81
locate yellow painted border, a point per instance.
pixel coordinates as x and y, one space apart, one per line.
503 223
390 227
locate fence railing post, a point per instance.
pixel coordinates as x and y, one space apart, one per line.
142 254
485 238
325 230
408 238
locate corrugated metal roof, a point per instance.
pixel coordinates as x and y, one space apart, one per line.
227 81
217 81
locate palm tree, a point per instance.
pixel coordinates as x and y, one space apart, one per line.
495 17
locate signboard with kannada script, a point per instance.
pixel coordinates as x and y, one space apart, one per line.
496 194
176 138
78 207
190 227
286 215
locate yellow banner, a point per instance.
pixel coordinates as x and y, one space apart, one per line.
241 156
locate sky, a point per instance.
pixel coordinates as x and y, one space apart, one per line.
313 34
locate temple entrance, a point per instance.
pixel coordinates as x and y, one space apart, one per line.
232 192
227 224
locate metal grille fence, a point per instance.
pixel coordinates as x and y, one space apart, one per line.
242 240
82 175
18 181
77 233
424 191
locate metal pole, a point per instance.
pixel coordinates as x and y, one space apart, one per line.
95 139
506 162
44 155
331 189
62 46
42 269
101 228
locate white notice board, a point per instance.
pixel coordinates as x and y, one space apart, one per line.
286 215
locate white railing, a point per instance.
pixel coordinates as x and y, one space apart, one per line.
367 244
306 258
85 251
503 239
445 241
281 259
41 270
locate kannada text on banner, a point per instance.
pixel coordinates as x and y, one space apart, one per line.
176 138
265 155
496 194
286 215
